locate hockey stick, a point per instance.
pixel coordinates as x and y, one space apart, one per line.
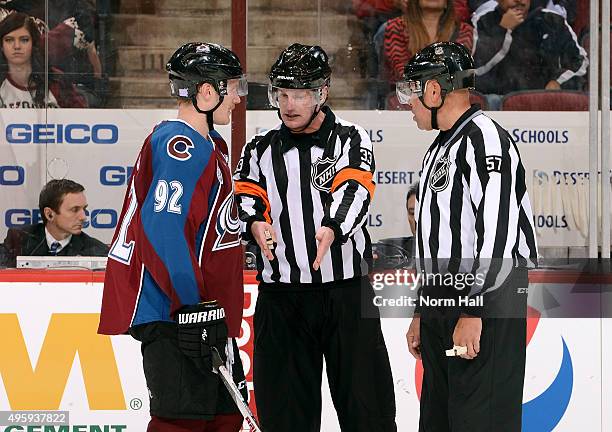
219 367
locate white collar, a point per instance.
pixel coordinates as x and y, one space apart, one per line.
50 240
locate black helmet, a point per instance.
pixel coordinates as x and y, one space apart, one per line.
301 67
199 62
449 63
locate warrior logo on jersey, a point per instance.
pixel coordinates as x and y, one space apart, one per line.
228 225
439 178
322 173
178 147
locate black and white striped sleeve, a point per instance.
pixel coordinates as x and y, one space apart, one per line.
353 186
493 162
250 188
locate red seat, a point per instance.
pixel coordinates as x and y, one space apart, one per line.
581 21
545 100
479 98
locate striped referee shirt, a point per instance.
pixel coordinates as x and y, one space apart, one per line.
473 213
300 182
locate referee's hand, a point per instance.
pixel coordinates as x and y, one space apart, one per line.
413 337
325 236
264 235
467 333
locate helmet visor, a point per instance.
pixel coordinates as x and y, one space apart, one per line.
306 98
406 89
238 86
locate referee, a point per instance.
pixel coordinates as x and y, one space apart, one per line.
304 190
474 224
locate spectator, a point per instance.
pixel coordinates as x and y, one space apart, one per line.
72 36
422 23
373 14
62 205
59 41
566 8
81 62
84 65
78 15
22 71
411 198
520 50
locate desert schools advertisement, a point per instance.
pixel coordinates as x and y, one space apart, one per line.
99 150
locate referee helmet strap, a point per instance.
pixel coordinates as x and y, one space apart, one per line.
434 110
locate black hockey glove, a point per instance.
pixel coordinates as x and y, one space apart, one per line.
201 327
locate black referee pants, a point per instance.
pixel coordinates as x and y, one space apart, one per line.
294 331
480 395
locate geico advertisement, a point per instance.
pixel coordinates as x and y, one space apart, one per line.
60 133
98 148
52 359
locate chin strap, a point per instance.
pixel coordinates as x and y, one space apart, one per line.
434 110
209 113
434 118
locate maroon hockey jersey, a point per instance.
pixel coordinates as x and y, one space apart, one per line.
178 238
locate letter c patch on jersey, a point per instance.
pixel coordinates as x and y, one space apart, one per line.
178 147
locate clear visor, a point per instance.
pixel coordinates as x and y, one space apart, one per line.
238 86
406 89
307 98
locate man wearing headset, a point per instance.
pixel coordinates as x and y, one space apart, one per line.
63 205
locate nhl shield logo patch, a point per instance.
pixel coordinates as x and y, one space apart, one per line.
439 177
322 174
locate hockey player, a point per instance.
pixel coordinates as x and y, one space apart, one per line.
304 190
174 274
474 223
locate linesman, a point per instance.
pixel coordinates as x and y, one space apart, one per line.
473 219
304 190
